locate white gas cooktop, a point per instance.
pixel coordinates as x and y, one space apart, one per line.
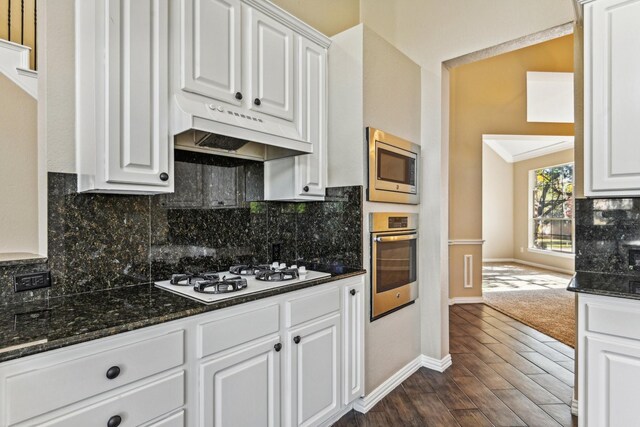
253 285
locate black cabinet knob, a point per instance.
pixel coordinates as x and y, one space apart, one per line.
277 347
352 291
306 188
113 372
114 421
164 176
238 96
297 339
257 101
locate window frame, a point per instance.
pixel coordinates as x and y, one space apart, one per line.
531 219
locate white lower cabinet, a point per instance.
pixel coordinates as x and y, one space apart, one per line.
353 317
313 386
608 361
294 359
243 387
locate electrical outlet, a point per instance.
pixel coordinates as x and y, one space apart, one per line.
276 252
31 281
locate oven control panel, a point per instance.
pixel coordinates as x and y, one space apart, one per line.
392 221
398 222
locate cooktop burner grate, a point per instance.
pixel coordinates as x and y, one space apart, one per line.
190 279
277 275
220 286
248 270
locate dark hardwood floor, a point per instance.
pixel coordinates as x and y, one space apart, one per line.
504 373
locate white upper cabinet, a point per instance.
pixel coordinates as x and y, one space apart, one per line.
212 52
122 96
305 177
270 57
612 109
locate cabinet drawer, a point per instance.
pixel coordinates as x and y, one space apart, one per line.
619 320
42 390
308 307
228 332
175 420
134 407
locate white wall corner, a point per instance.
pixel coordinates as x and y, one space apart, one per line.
439 365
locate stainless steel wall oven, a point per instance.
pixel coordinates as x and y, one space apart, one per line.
394 261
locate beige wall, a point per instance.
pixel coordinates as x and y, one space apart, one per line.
391 88
328 16
489 97
497 206
18 169
364 64
431 32
521 211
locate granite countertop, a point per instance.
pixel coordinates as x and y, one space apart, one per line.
606 284
32 328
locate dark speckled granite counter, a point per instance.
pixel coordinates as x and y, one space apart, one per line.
31 328
606 284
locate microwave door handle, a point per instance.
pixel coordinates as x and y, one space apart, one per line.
396 238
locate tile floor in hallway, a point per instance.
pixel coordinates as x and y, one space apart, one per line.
504 373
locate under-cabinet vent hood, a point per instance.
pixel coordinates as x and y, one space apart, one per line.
232 131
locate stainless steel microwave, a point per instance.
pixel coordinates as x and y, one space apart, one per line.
394 166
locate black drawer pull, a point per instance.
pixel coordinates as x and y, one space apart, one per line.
297 339
113 372
277 347
114 421
352 291
238 96
164 176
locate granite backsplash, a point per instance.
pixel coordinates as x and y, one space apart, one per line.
214 219
606 231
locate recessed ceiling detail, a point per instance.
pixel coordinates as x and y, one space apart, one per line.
515 148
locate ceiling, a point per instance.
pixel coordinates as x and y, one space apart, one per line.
515 148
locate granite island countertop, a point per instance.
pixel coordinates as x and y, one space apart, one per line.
32 328
606 284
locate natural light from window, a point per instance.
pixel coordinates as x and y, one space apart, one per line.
551 222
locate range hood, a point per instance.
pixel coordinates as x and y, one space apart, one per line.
232 131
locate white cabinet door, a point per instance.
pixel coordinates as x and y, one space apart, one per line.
613 373
137 138
270 56
353 342
312 168
242 388
314 372
212 49
612 107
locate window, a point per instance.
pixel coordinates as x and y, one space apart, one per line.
551 221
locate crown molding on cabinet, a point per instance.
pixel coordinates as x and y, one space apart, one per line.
290 21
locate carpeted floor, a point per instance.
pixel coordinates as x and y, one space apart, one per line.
535 297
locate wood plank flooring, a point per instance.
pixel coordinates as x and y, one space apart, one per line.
504 373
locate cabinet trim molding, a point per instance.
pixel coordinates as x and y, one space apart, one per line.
289 20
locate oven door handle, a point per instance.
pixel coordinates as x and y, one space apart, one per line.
396 238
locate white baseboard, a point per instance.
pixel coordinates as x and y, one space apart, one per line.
574 407
531 264
439 365
466 300
498 260
364 404
331 421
